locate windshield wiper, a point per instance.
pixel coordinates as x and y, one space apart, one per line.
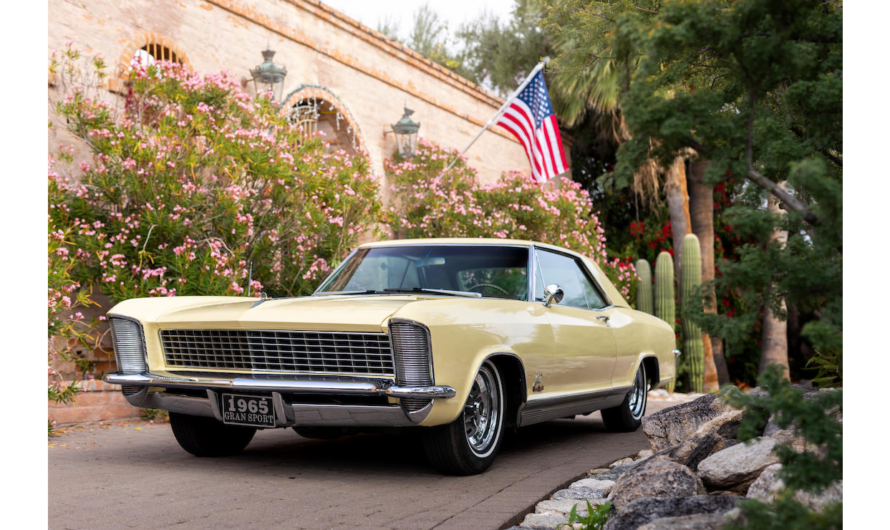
346 293
467 294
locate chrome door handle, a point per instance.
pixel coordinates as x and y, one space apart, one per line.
604 318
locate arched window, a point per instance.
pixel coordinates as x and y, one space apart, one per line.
316 110
153 52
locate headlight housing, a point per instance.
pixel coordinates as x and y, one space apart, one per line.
413 358
129 345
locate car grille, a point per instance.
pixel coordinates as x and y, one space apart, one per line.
279 351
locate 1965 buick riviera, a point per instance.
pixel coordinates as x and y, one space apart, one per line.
465 339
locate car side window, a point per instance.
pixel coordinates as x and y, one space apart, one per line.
595 300
567 272
562 270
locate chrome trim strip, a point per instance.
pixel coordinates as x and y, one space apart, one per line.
435 392
330 385
552 408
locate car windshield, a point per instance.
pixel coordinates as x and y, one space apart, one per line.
495 271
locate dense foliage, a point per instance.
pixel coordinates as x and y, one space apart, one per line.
197 188
430 202
67 328
812 469
756 88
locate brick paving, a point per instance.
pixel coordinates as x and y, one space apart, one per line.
134 475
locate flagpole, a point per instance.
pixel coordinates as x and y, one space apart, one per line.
497 115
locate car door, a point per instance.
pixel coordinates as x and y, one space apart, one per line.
584 348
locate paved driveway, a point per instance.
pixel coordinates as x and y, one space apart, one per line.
136 476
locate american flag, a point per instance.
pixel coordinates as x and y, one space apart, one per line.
529 117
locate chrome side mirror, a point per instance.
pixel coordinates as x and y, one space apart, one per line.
552 293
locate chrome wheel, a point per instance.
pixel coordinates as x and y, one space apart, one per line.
637 399
482 411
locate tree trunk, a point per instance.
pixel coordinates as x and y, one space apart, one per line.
720 361
678 206
774 346
701 209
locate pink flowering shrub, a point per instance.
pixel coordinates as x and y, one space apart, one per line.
66 325
431 203
196 188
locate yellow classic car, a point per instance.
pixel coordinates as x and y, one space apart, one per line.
466 339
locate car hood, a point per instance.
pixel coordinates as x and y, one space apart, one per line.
332 313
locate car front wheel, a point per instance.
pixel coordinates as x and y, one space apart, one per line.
628 416
469 444
202 436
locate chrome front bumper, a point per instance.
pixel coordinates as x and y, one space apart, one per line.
333 415
300 384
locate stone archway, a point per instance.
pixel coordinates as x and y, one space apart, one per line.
316 108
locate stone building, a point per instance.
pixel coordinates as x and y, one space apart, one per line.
349 79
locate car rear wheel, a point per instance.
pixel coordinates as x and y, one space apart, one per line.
202 436
469 444
628 416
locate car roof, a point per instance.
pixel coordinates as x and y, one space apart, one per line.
482 241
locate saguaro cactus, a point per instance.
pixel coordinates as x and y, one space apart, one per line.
665 305
693 347
644 288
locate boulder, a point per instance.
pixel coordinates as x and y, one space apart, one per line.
561 507
767 484
737 467
582 493
656 477
725 425
644 454
621 462
692 451
648 509
703 521
609 475
538 520
771 428
622 468
670 426
604 486
818 501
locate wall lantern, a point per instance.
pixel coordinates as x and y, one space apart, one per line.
406 134
269 76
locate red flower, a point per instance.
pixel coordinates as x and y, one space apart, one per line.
670 251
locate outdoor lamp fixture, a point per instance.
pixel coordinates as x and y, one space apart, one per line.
406 134
269 76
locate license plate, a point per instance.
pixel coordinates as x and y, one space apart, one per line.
254 411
